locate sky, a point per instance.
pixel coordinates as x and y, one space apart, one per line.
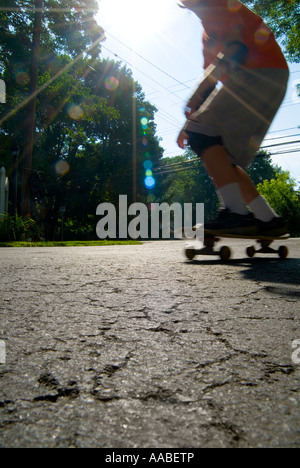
161 44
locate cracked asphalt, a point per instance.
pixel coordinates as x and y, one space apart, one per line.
136 347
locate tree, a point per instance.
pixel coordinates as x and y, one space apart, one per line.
283 17
84 120
282 195
31 31
183 179
68 26
262 168
86 148
68 29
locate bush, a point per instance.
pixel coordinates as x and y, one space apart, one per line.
282 195
19 228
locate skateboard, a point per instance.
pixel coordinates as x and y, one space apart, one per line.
211 238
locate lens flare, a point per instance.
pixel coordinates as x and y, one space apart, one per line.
234 6
262 34
149 182
148 165
111 83
144 123
75 112
62 167
255 142
22 78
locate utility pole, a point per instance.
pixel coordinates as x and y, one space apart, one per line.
31 108
14 178
134 155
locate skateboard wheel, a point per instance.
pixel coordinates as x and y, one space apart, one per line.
251 251
225 253
283 252
190 254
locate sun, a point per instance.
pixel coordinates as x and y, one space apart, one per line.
134 20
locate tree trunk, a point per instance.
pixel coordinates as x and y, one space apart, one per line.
31 108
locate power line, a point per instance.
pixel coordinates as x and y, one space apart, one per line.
281 137
280 144
170 119
196 163
172 122
140 71
284 130
163 71
191 163
296 150
147 61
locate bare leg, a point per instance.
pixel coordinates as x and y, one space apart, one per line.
226 179
237 190
248 189
219 167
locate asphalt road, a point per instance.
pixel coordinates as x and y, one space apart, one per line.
137 347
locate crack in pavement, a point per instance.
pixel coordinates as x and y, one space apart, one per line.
151 353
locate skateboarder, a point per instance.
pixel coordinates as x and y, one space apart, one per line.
226 126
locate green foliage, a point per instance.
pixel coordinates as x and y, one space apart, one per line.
18 228
88 112
84 123
281 193
283 17
262 168
183 179
103 243
68 26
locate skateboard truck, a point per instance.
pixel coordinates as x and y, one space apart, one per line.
265 249
208 249
225 252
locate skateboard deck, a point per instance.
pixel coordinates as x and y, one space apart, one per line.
211 238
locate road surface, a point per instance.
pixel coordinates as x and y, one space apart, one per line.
136 347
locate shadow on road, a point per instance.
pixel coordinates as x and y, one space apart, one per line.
285 274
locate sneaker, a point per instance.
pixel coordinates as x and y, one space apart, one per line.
274 228
228 222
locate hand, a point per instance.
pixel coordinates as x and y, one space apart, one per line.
182 140
189 110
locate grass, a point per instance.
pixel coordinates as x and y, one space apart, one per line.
69 243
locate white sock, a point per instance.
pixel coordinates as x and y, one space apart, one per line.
262 210
231 197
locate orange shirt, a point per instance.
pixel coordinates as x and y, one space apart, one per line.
220 17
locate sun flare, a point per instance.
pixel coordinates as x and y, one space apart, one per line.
134 20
